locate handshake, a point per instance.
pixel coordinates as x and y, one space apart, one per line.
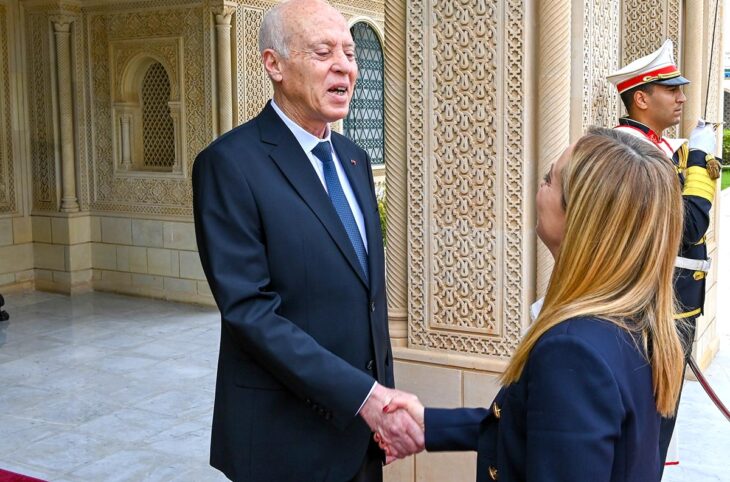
396 419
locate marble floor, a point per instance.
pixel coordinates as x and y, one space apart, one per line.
103 387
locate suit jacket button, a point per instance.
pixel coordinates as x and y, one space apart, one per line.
493 474
372 306
370 365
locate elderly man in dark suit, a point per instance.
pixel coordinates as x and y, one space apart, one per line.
289 237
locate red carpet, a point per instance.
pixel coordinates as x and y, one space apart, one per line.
6 476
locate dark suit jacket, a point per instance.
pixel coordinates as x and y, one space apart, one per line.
303 335
582 411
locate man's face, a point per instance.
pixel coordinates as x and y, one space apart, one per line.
318 77
664 105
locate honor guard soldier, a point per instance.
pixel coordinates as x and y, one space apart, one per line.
651 90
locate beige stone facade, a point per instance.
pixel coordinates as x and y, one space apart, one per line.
480 97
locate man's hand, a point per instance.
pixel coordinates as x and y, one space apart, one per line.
397 433
704 138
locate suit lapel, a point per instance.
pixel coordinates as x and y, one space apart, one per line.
288 155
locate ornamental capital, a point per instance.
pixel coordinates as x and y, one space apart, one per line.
223 14
62 23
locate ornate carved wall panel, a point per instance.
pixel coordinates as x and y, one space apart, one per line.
601 29
7 159
466 170
43 157
646 24
253 87
43 102
148 194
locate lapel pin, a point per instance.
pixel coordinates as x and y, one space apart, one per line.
353 162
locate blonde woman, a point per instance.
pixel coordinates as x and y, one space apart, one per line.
584 391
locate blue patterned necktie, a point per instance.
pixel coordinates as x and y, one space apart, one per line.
323 151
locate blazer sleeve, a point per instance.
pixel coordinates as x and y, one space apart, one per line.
233 255
574 412
698 195
454 429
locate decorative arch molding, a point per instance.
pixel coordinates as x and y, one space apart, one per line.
133 74
130 61
372 23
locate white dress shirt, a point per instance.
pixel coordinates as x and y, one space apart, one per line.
308 142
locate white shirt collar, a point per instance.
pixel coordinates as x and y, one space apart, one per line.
307 140
536 308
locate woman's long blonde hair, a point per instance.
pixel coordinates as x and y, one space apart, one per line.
623 228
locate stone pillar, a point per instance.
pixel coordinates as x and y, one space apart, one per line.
692 66
553 91
395 171
126 143
223 17
62 34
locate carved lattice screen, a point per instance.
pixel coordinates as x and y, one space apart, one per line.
364 123
157 125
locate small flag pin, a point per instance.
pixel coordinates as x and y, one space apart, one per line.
353 162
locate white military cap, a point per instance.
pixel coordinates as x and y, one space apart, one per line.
657 67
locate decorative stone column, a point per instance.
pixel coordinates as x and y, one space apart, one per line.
125 121
62 34
553 91
395 171
223 17
692 66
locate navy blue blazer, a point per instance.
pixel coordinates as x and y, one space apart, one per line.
304 336
582 411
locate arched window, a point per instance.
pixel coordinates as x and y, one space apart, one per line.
158 132
364 123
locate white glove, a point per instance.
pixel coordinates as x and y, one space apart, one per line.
704 138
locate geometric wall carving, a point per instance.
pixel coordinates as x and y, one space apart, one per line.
601 30
647 23
174 37
253 87
41 114
466 169
7 160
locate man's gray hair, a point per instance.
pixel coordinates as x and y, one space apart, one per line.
271 33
